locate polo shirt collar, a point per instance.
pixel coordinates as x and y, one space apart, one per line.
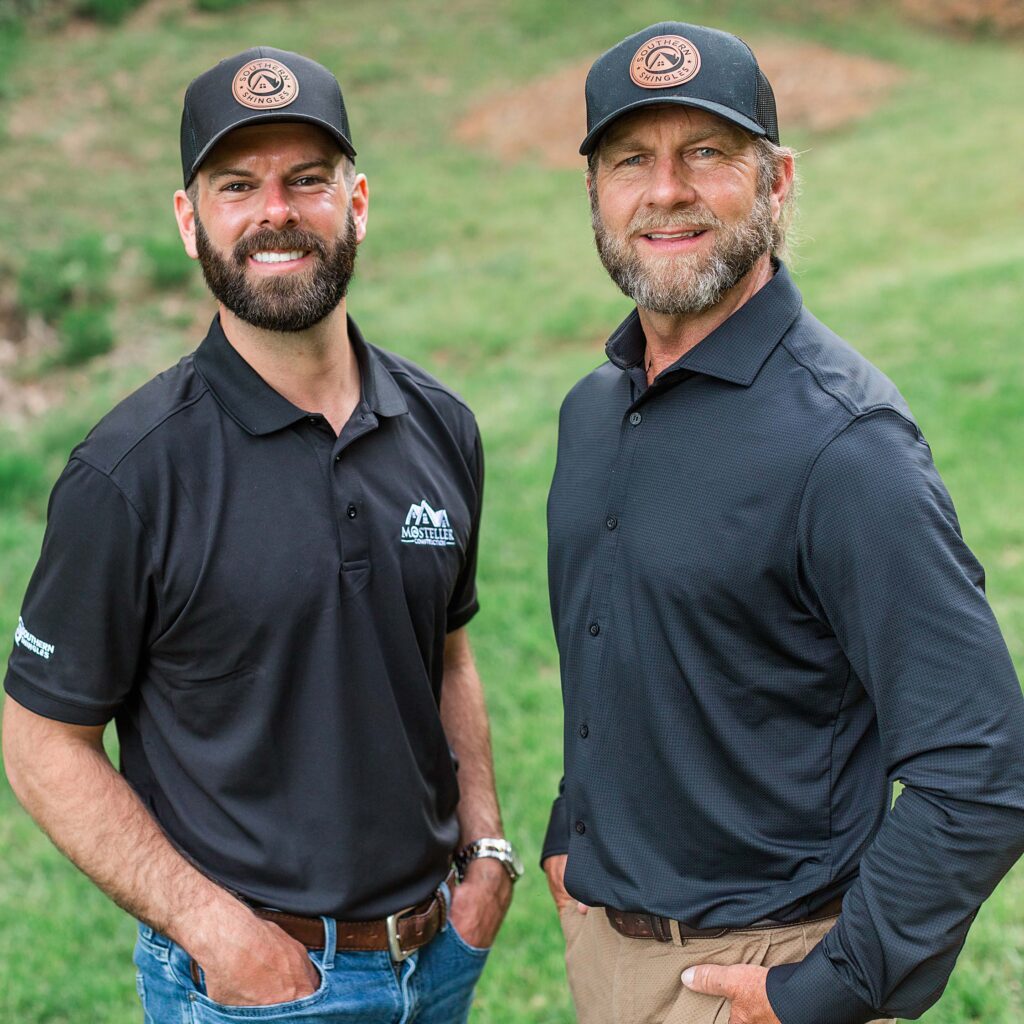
259 409
737 349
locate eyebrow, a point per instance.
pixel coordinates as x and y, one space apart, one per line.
631 142
239 172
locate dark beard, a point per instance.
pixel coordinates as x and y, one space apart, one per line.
685 285
285 303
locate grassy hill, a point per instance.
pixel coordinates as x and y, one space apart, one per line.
482 269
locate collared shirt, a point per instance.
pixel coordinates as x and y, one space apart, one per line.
263 607
766 614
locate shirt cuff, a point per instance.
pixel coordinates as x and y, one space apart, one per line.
458 619
556 841
812 991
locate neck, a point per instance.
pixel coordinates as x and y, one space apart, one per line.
316 369
670 336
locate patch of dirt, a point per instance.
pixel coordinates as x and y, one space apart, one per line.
817 89
971 17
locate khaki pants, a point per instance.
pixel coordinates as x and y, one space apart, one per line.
618 980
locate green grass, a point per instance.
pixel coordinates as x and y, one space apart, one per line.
485 273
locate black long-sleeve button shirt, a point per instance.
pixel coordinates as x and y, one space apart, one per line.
766 614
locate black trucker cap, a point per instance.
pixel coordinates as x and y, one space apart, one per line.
690 65
253 87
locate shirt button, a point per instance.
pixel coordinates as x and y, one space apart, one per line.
635 418
351 511
314 419
580 828
611 522
594 629
337 458
584 730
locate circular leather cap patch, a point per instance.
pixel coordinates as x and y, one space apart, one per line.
265 84
664 61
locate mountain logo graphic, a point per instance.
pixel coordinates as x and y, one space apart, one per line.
264 84
425 526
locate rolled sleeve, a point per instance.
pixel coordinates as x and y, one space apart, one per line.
86 615
883 562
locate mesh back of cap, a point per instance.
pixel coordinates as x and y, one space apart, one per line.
764 108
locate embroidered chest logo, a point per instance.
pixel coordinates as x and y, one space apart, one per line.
23 638
425 526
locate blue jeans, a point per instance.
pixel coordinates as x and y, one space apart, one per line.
434 986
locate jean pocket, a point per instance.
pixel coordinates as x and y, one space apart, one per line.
308 1007
153 944
478 951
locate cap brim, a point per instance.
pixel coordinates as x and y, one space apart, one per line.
726 113
267 118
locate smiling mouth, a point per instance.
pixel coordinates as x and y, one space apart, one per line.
279 257
659 236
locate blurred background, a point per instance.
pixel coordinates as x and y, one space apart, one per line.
479 264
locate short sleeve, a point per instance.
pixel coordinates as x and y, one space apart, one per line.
464 603
89 606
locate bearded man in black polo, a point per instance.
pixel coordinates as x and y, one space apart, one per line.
765 611
262 565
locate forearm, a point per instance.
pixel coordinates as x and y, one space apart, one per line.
464 717
932 864
65 781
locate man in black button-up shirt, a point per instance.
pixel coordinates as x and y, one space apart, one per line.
765 611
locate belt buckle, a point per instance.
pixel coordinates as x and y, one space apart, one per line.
394 942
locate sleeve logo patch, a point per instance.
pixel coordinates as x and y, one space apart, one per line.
664 61
425 526
23 638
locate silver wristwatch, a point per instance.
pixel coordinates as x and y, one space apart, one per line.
499 849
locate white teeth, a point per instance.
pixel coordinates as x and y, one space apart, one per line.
277 257
679 234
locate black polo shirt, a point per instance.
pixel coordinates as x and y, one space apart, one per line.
765 614
263 607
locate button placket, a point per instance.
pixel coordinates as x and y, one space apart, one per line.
607 542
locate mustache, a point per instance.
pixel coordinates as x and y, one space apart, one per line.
288 239
647 220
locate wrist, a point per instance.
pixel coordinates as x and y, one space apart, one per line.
200 927
499 850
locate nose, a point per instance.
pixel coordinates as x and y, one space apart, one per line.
669 184
278 210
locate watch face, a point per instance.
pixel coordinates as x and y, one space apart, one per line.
516 861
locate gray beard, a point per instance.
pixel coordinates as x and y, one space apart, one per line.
677 285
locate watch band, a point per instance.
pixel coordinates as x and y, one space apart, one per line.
500 850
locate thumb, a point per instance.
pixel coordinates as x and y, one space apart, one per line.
710 979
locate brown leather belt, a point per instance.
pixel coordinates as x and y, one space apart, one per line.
400 933
651 926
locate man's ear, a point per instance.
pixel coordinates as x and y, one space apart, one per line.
185 215
360 200
782 184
